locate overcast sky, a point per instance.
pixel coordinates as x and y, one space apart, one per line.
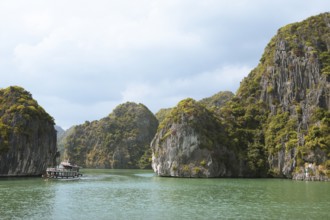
81 58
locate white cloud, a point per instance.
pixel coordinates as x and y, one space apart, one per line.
81 58
137 92
67 113
199 86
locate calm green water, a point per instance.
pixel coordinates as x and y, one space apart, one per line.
136 194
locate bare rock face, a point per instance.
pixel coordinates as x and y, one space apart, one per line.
27 135
189 144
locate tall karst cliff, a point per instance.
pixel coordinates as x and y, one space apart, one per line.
190 142
120 140
278 123
292 83
27 134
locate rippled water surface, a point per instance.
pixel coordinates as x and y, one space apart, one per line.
137 194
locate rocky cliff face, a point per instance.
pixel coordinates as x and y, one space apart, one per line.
296 82
278 123
27 135
120 140
189 144
291 87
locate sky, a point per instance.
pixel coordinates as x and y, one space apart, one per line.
81 58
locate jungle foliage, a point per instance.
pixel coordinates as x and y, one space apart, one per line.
120 140
17 110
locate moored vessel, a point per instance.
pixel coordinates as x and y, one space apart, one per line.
64 170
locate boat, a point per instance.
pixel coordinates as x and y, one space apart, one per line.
64 170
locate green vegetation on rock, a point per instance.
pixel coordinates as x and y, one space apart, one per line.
278 122
191 142
162 114
27 134
283 88
217 101
17 109
120 140
199 118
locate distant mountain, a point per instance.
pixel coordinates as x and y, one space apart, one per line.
120 140
60 132
277 124
61 140
27 134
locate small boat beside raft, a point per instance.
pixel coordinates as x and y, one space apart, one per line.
64 170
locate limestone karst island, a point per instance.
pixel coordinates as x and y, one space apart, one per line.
276 125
